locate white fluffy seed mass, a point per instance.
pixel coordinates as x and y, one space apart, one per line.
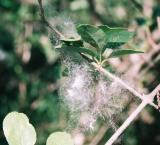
66 26
76 88
89 99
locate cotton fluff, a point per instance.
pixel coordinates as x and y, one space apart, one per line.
76 88
89 98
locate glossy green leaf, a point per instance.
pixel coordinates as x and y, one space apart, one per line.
71 53
86 51
77 46
121 52
18 130
60 138
103 37
75 52
92 35
116 37
73 42
121 35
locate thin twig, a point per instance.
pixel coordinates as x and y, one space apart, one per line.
126 123
146 99
133 115
118 80
46 22
153 93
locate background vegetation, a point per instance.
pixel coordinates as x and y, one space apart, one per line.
30 67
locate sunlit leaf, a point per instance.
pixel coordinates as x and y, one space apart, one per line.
92 35
18 130
73 42
116 37
60 138
116 34
121 52
86 51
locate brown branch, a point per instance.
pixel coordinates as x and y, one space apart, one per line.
44 20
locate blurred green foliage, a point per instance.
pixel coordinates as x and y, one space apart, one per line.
30 68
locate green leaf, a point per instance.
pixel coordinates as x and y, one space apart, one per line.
77 46
91 34
18 130
113 45
86 51
103 37
116 37
60 138
71 53
73 42
116 34
121 52
75 52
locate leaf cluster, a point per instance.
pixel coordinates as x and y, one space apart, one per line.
98 43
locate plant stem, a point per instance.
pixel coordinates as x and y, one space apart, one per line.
133 115
126 123
146 99
121 82
46 22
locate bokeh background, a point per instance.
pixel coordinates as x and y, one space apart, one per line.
30 67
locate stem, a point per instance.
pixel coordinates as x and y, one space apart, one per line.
146 99
46 22
127 123
121 82
133 115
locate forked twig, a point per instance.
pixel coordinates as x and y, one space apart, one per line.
118 80
146 99
126 123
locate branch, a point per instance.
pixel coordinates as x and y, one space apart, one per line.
146 99
43 17
126 123
118 80
133 116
